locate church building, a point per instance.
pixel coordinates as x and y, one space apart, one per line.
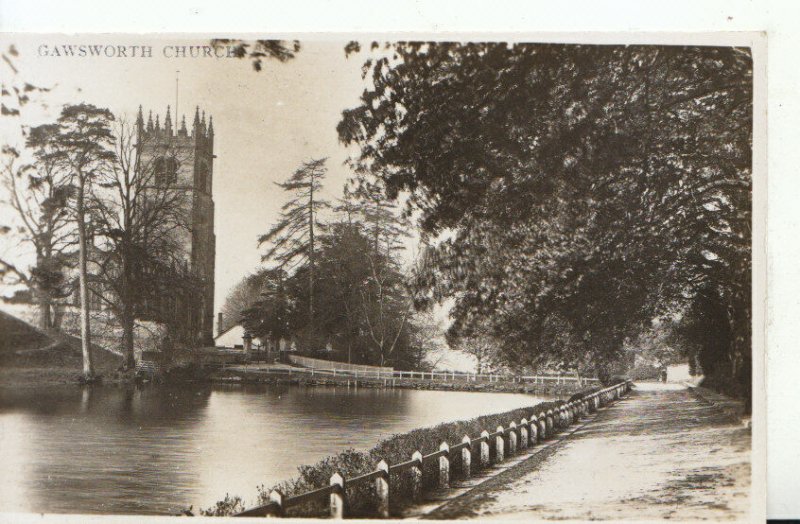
183 159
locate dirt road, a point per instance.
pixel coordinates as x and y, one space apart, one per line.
659 454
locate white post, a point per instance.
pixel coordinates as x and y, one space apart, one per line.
337 497
416 476
444 466
499 445
466 456
382 489
484 449
512 439
542 418
523 433
534 436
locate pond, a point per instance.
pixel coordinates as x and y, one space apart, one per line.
161 449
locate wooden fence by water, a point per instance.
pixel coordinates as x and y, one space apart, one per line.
393 375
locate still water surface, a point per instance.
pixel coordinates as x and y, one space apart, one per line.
159 449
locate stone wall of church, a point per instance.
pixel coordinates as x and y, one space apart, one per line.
193 154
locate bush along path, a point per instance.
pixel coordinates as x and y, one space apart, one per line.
662 454
405 474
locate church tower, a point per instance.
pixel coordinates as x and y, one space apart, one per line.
183 159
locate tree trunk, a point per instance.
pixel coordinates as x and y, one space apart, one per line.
58 315
86 343
311 256
127 318
127 342
45 318
42 296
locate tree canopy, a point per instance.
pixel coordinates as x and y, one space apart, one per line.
567 193
362 305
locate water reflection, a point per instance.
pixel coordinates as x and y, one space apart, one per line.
100 449
157 450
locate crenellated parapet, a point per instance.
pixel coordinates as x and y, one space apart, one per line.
201 132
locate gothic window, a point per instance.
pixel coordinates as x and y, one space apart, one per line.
166 170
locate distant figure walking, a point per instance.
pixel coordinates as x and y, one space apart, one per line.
664 375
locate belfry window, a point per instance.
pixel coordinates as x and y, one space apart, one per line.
165 169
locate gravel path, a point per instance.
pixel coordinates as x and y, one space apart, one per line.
659 454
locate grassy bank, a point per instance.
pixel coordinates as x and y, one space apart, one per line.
31 357
394 450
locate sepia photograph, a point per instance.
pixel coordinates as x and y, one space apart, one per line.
367 277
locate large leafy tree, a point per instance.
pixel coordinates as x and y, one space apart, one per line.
270 314
39 193
138 220
342 275
240 298
362 306
583 187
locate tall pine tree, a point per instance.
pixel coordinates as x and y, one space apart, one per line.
292 241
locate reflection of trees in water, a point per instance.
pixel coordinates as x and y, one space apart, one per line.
109 449
142 405
165 404
332 401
